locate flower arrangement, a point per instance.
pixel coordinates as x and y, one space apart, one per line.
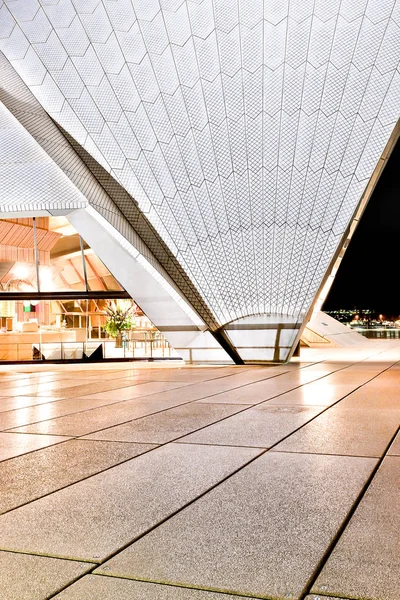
120 318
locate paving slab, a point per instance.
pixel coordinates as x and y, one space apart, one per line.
95 587
384 368
260 426
318 597
365 563
241 395
395 447
114 413
392 372
27 577
15 402
130 391
14 444
262 532
85 373
208 390
50 410
237 382
95 517
259 391
168 424
106 374
317 393
341 430
28 477
395 367
15 376
48 388
374 395
19 381
355 378
119 388
370 366
252 375
193 378
125 377
201 372
240 377
315 371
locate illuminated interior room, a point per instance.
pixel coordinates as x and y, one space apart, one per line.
56 298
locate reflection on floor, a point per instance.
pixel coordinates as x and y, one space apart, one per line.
171 482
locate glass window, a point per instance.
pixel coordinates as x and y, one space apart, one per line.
46 328
64 261
17 256
74 329
98 276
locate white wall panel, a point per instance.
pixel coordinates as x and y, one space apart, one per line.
29 180
245 132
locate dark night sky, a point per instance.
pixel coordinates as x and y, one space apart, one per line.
369 274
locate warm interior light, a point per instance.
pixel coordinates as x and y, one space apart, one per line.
20 271
24 286
61 225
45 276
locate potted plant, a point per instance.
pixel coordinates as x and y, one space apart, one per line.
119 319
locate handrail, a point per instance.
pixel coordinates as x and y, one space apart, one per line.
41 351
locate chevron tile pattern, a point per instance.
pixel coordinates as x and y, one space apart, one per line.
28 176
245 130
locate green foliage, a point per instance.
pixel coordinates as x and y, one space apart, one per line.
119 319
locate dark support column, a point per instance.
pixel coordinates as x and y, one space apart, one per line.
297 350
224 342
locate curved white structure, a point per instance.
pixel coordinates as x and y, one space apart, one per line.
232 140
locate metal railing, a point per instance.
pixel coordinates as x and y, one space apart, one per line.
146 347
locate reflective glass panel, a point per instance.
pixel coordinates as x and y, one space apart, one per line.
60 258
17 255
77 329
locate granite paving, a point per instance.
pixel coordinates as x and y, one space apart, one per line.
259 426
168 425
122 504
342 430
375 394
16 402
102 417
187 393
319 597
319 393
24 416
14 444
246 536
365 563
202 482
48 388
28 477
14 383
395 446
27 577
265 389
95 587
112 389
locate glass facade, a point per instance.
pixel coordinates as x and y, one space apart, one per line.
46 254
58 301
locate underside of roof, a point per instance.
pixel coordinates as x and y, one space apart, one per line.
233 139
